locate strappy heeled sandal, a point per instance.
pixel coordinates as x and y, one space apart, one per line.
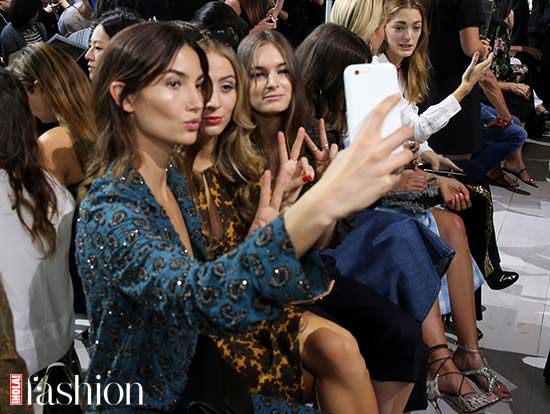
490 375
461 403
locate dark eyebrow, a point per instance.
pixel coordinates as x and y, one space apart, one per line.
263 68
175 72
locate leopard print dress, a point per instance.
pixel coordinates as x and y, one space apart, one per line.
268 354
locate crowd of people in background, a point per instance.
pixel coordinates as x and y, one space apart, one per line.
175 173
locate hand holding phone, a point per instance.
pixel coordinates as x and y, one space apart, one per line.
366 86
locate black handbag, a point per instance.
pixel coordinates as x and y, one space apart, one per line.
214 387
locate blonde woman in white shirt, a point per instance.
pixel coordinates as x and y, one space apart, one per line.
35 218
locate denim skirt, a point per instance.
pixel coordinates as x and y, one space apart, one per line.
395 255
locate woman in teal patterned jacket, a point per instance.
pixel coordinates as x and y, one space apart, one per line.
149 290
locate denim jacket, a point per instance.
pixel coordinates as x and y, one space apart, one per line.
147 299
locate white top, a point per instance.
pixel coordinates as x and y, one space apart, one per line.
431 120
39 290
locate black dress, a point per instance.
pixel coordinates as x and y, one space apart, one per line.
462 135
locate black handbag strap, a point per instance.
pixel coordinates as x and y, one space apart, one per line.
214 387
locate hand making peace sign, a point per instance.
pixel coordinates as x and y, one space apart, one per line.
325 155
293 174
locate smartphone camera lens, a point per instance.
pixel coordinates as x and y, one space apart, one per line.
357 72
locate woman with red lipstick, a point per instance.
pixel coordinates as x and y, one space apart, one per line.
151 288
224 201
225 182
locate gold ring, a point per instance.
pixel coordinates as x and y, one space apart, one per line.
315 149
325 146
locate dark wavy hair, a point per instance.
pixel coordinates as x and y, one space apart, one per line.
126 60
103 6
114 21
221 21
19 157
22 12
323 56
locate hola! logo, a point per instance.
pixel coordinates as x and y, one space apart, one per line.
67 393
16 389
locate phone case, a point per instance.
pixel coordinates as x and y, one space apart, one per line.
366 85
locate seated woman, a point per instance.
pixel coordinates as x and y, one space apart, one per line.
276 93
514 81
35 217
108 25
23 28
222 22
366 19
225 178
325 89
139 247
256 13
58 92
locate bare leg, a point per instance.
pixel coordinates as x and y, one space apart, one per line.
459 277
461 291
434 334
331 354
496 174
392 396
516 163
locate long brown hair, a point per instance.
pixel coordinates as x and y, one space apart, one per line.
414 68
127 60
323 56
236 157
296 115
19 157
66 89
256 10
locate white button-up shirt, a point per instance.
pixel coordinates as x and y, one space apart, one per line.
428 122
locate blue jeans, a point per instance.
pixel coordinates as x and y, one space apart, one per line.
498 143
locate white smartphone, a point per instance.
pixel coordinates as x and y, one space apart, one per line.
366 85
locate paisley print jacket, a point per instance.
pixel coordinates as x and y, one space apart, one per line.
147 299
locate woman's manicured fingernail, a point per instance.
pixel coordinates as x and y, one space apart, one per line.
307 178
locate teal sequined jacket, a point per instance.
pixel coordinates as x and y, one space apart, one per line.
147 299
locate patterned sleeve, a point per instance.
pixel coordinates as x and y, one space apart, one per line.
225 294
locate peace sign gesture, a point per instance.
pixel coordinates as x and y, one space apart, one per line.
293 174
270 202
327 153
297 171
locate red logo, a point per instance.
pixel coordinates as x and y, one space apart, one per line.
16 389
